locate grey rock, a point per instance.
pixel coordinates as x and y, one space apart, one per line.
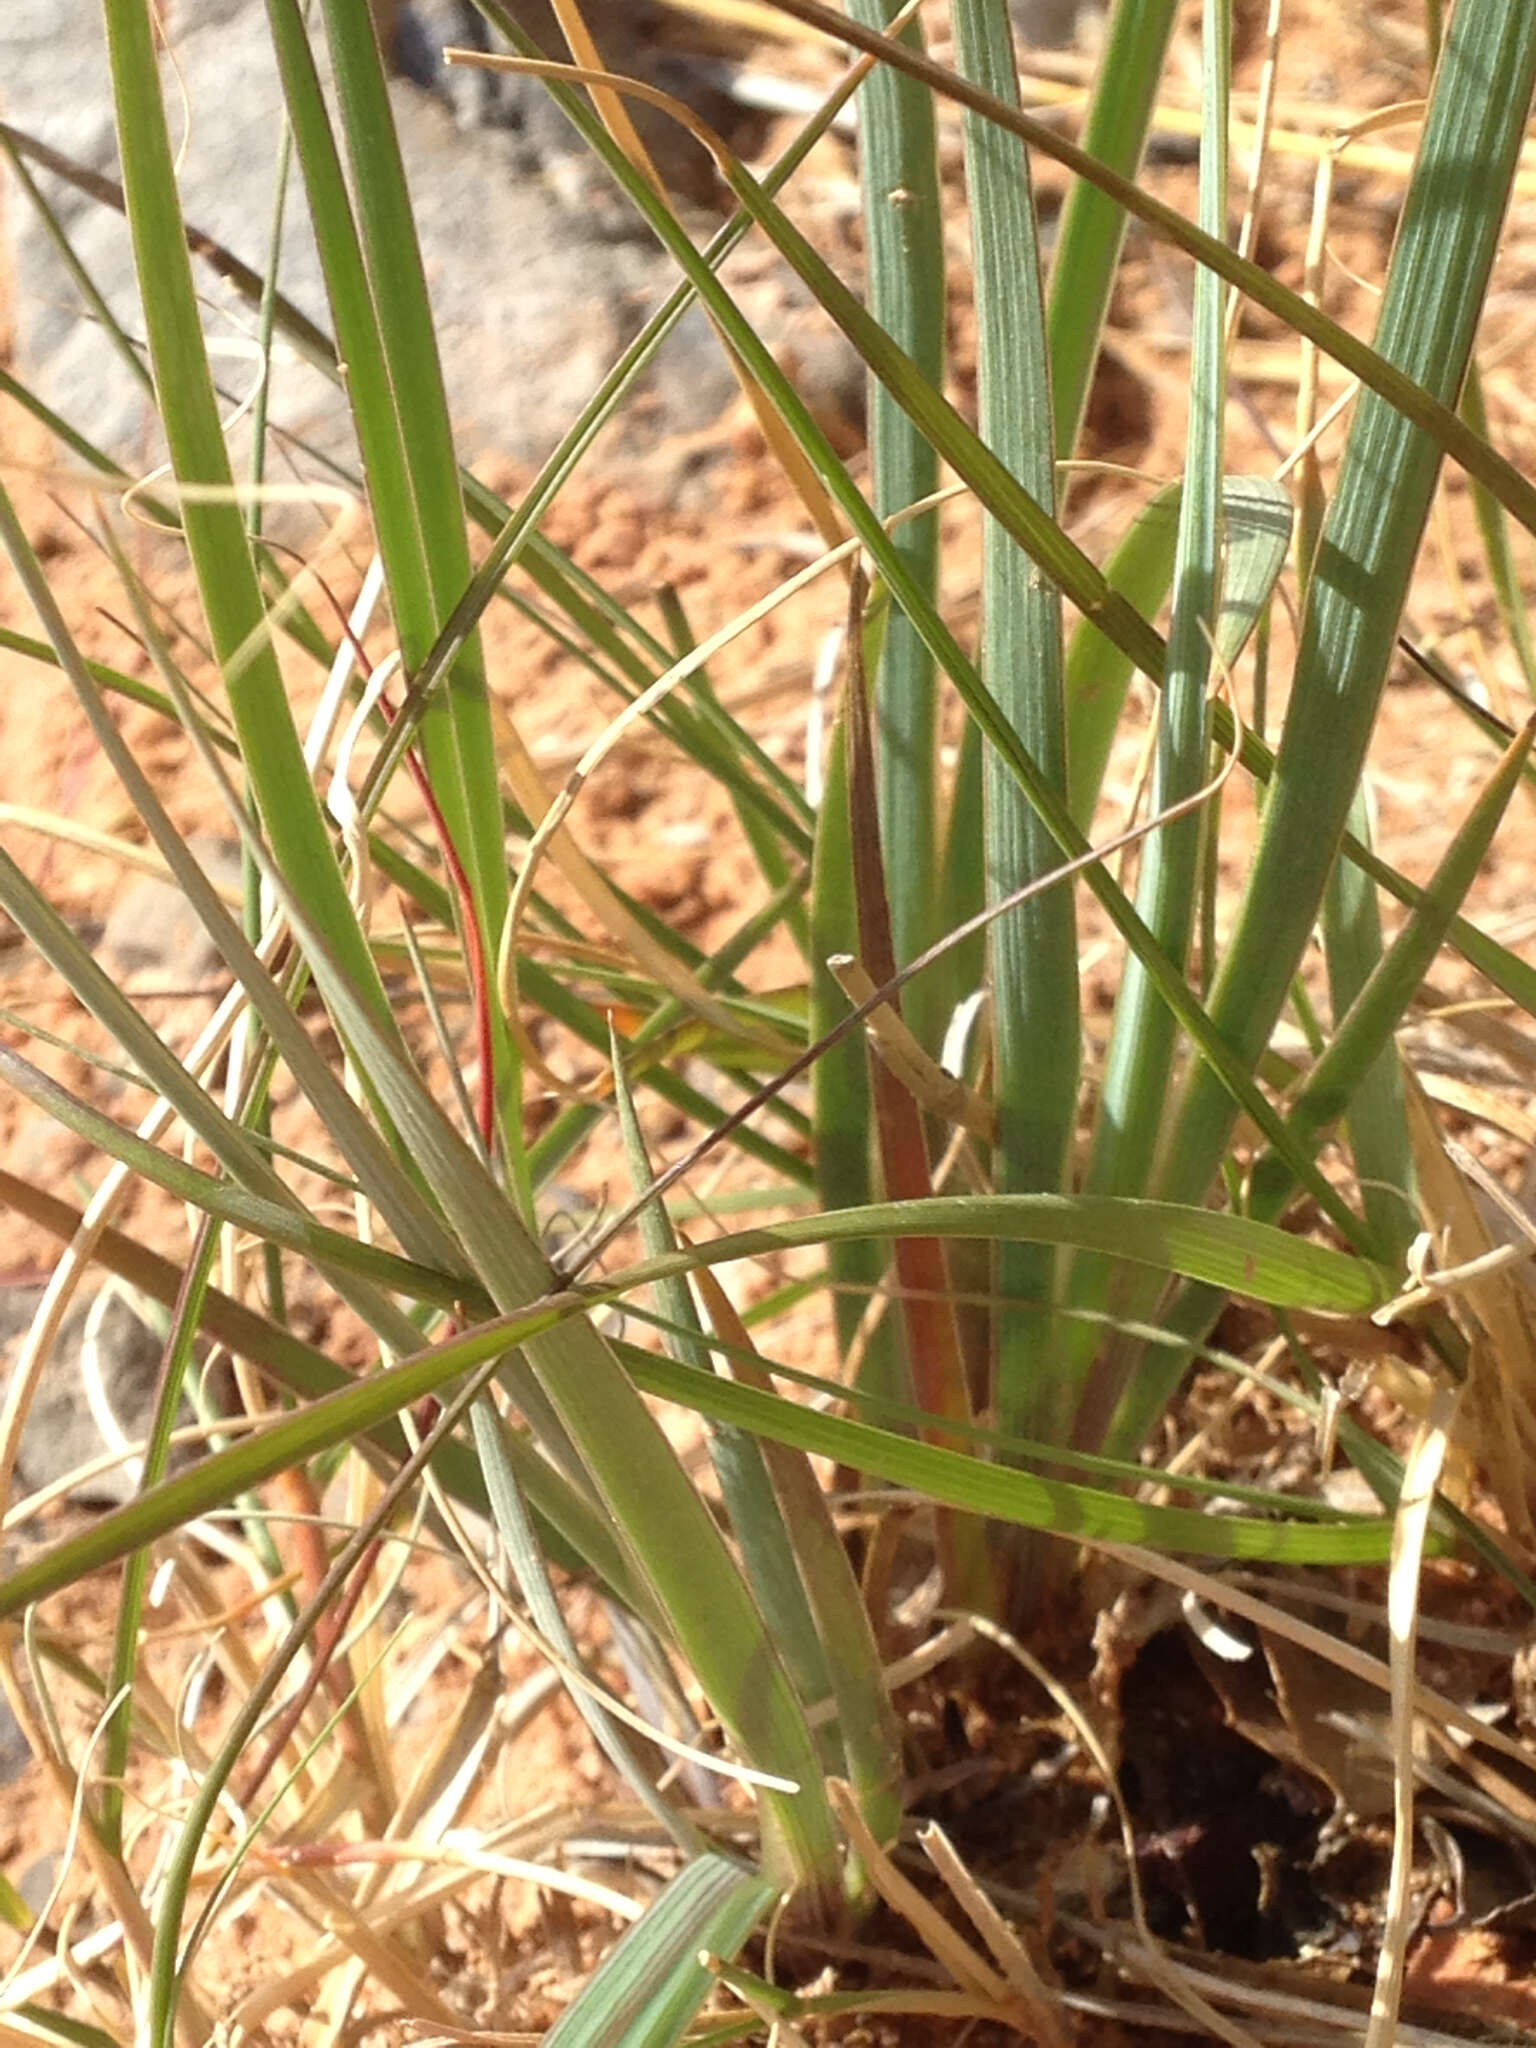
38 1881
98 1386
15 1755
1051 24
152 932
539 270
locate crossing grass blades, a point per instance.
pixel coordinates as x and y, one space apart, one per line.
1021 1254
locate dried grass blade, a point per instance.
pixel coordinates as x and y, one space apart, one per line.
1421 1473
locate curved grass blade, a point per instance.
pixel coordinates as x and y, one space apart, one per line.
1125 1472
953 1479
1230 1251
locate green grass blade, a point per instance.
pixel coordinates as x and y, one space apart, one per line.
1125 1472
1511 975
215 530
458 737
1141 1051
1434 293
514 1525
1226 1250
357 325
1379 1141
1035 1024
648 1988
842 1111
1092 226
904 243
1498 550
767 1552
973 1486
1417 402
1366 1030
963 879
1133 1095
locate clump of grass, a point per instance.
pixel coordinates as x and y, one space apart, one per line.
1006 1353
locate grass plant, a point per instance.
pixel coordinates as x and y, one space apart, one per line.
1021 1238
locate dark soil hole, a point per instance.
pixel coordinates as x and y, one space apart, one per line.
1225 1835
